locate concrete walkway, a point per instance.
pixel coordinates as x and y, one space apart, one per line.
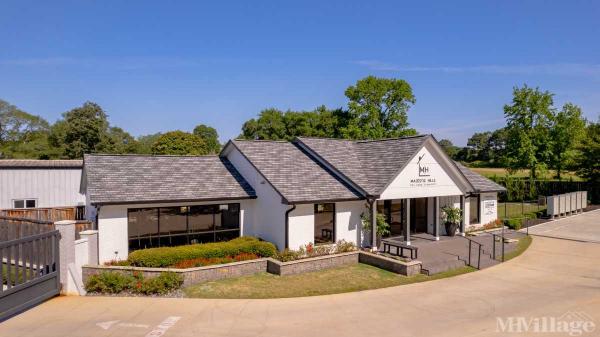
553 277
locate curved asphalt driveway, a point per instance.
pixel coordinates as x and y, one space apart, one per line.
553 277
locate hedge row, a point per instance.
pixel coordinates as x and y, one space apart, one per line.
114 283
169 256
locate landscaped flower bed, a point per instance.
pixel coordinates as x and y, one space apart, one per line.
311 250
202 261
198 255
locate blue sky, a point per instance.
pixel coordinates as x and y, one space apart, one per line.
164 65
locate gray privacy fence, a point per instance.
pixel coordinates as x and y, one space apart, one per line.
567 203
30 271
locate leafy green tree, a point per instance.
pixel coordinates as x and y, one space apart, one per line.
528 118
588 161
497 147
210 137
121 141
378 108
144 143
449 148
180 143
23 135
277 125
566 132
478 146
82 130
269 125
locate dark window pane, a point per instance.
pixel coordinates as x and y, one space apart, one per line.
201 218
324 223
173 239
19 204
230 217
202 238
474 209
143 224
227 235
30 203
172 220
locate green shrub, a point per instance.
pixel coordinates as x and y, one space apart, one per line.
344 246
168 256
116 282
162 284
514 223
287 255
109 283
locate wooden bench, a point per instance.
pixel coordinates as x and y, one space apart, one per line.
400 247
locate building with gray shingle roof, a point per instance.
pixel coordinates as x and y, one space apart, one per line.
290 193
479 182
371 164
297 177
114 179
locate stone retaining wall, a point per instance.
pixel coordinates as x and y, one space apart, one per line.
409 268
190 275
244 268
311 264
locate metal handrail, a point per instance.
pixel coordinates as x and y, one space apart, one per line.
480 246
494 244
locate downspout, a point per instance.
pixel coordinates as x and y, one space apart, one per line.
95 226
287 226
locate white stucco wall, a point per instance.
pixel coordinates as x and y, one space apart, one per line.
112 233
302 226
113 238
410 183
268 212
348 224
50 187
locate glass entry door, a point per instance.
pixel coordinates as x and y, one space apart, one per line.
418 215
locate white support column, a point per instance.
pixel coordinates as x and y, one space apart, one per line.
462 213
92 237
374 226
436 218
407 223
66 247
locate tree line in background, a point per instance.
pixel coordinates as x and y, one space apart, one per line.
86 129
377 108
537 136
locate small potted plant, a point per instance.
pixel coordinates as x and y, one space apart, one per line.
383 228
452 217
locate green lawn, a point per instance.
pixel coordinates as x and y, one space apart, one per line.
501 172
330 281
516 209
521 247
15 276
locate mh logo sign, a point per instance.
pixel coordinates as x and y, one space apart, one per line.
423 169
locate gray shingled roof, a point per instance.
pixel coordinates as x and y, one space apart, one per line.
137 178
371 164
294 174
479 182
40 164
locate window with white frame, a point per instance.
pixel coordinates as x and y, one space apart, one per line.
24 203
